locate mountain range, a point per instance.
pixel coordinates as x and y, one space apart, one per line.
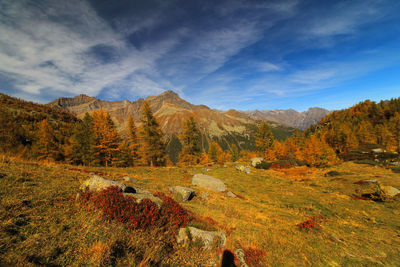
226 127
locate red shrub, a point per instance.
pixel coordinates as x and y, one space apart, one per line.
307 225
115 206
279 165
172 213
254 257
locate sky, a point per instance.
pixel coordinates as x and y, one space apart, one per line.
236 54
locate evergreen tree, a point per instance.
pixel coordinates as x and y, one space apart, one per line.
152 147
264 138
395 129
46 146
132 139
106 138
191 141
83 141
234 151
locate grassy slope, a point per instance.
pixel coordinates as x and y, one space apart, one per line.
40 222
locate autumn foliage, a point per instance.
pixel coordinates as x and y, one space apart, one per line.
124 209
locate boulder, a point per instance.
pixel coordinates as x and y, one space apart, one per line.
208 182
206 238
242 168
378 150
186 193
255 161
98 183
129 179
140 196
390 191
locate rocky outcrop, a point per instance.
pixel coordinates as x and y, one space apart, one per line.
208 182
390 191
255 161
185 192
245 169
207 239
98 183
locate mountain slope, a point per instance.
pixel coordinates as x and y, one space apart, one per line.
290 117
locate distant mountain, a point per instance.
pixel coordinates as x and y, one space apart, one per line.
290 117
171 111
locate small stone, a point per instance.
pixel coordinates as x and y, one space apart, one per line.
230 194
186 193
207 238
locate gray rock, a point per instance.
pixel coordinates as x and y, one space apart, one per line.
140 196
208 182
378 150
129 179
207 238
186 193
242 168
97 183
241 256
230 194
390 191
255 161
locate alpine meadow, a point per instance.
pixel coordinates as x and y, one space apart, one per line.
201 133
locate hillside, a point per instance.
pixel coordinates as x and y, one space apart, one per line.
41 224
290 117
19 124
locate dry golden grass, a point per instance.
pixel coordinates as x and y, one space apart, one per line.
42 224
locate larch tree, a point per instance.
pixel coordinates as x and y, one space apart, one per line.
83 141
264 138
106 138
132 139
191 143
46 144
152 148
395 129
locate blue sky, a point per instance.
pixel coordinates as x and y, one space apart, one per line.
224 54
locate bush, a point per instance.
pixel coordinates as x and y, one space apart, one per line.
282 164
263 165
116 207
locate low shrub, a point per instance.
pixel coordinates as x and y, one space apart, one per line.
116 207
282 164
263 165
254 257
308 225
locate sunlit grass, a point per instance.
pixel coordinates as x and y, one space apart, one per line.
41 223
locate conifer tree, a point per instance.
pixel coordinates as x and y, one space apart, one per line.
83 141
234 151
395 129
132 139
46 144
152 147
106 138
191 141
213 151
264 138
